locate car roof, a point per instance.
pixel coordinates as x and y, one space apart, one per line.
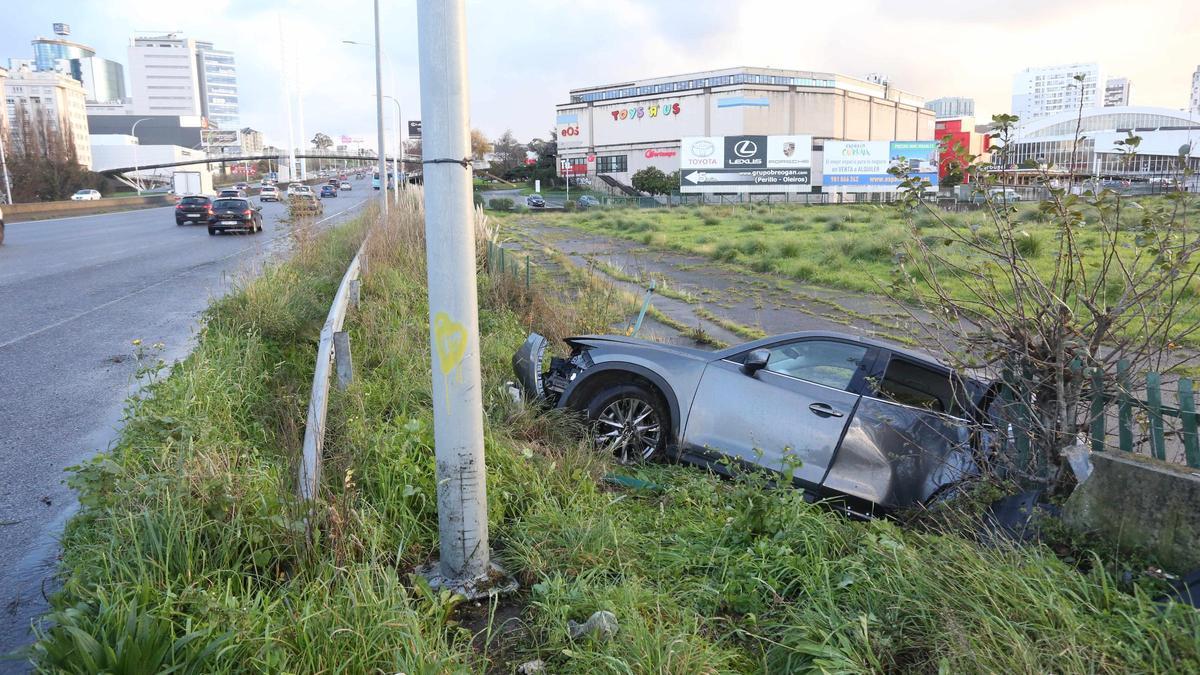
844 337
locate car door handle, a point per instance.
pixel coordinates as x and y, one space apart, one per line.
824 410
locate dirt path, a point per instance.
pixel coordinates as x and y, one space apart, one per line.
727 304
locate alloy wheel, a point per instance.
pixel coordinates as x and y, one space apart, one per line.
630 429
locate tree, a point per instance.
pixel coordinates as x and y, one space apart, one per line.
43 163
509 154
1050 301
653 181
480 145
322 142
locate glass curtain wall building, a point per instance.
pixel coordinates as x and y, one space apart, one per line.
218 86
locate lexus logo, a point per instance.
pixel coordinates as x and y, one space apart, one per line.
745 148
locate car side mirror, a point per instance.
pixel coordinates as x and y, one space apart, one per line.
756 360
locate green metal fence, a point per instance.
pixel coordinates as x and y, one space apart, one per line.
500 260
1148 417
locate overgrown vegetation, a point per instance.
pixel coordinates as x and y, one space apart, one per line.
189 552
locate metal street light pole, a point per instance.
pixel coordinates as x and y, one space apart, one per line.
399 147
383 205
137 176
453 304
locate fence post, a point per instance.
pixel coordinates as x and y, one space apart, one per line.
501 259
355 293
1097 409
1124 407
1154 403
1187 414
490 254
526 272
341 359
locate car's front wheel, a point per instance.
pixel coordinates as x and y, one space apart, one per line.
629 422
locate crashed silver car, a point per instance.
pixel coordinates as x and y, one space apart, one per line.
878 427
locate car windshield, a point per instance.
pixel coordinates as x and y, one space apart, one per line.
230 204
83 192
195 200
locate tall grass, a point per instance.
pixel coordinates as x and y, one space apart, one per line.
190 554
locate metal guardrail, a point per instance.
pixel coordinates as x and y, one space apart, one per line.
332 350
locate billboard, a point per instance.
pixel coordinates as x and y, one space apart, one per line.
862 166
414 128
215 138
568 129
745 164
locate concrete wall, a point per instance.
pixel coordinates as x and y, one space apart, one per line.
39 210
1141 504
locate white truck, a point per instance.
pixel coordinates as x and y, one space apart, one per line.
191 183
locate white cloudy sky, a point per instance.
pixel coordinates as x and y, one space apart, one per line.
524 56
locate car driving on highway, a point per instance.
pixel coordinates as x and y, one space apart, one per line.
876 426
231 192
328 191
193 209
345 185
234 214
85 196
268 193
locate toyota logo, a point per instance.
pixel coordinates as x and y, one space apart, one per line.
702 148
745 148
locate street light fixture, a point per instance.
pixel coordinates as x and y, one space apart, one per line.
381 142
137 175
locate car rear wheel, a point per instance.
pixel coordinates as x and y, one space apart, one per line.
629 422
212 231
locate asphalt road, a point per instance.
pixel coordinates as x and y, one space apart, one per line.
74 293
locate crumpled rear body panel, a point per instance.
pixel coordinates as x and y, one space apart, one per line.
897 456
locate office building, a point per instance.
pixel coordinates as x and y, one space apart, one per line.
163 76
217 70
103 80
46 113
617 129
1116 92
47 52
951 107
1039 92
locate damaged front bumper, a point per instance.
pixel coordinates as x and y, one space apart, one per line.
546 385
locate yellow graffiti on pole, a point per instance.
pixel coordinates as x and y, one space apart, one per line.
450 341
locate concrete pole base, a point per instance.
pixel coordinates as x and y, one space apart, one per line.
495 582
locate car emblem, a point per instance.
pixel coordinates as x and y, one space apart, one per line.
702 148
745 148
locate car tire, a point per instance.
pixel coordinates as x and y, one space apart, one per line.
621 415
212 231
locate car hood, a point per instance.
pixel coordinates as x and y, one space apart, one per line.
617 341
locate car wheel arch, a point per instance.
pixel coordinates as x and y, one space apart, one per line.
603 374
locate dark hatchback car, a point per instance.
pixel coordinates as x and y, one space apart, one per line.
234 214
535 201
875 426
328 191
193 209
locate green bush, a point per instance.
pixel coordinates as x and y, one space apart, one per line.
710 219
569 205
752 226
501 204
477 199
789 249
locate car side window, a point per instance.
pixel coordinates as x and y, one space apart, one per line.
909 384
825 362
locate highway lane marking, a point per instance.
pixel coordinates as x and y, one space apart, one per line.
160 282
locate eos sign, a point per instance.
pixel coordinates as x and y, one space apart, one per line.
568 131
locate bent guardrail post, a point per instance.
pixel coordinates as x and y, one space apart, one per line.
318 402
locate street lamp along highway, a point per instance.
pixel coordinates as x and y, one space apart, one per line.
381 145
137 175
